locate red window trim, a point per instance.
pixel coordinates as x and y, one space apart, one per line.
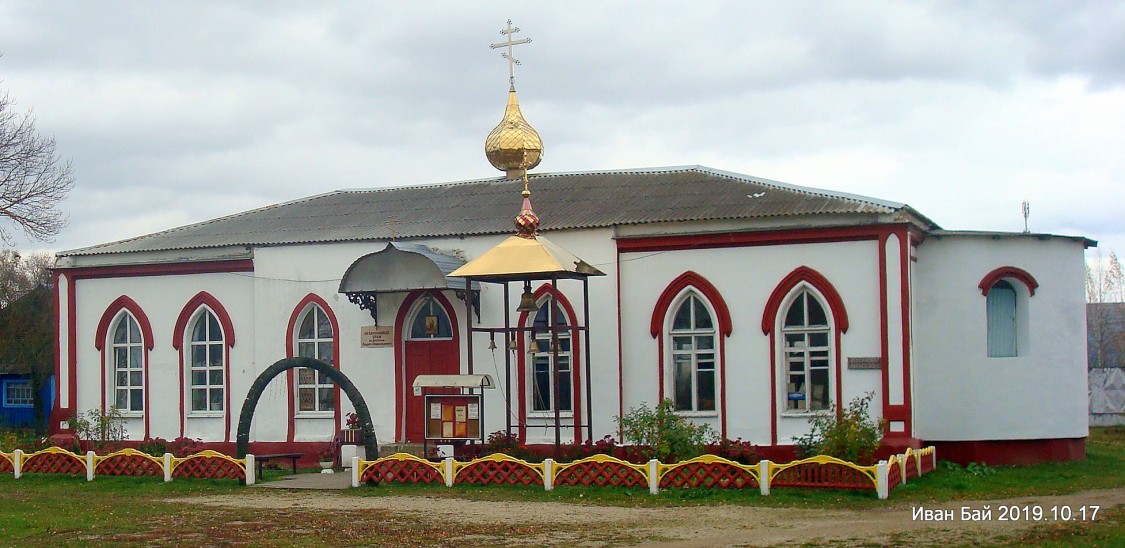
708 291
200 300
576 342
290 351
125 303
1010 272
802 274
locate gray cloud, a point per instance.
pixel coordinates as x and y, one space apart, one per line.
176 113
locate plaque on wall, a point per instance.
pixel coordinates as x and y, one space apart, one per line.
871 362
376 336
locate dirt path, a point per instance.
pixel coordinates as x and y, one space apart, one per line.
697 525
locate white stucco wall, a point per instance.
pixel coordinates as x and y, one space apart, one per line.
162 298
961 393
746 277
260 304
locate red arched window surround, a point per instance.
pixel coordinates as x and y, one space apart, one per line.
576 342
813 278
111 312
801 275
1011 272
704 287
660 312
204 299
303 307
401 334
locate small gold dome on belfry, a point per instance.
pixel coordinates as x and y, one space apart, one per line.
513 146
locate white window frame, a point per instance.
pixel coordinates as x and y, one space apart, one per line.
134 353
316 343
18 400
805 353
695 355
209 345
545 356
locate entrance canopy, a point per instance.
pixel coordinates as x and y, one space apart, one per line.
452 381
399 268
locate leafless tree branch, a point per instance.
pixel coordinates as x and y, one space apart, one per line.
32 178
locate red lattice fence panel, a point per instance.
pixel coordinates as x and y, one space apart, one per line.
6 465
208 468
128 465
54 463
498 472
401 471
716 474
822 476
911 466
894 476
602 474
927 464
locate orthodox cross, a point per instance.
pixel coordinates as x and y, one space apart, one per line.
512 61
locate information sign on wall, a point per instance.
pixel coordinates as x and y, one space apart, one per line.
376 336
873 362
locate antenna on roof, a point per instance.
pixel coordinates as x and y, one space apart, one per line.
1026 214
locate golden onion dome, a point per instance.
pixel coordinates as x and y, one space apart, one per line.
513 146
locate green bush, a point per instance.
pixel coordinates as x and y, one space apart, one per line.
101 431
662 434
854 436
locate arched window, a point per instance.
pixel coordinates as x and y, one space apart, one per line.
207 363
692 338
1007 292
128 365
314 340
430 321
542 355
805 334
1001 310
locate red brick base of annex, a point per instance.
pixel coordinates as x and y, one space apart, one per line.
998 452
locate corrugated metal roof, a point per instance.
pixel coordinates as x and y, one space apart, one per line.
562 200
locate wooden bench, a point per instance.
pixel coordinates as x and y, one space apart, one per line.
261 459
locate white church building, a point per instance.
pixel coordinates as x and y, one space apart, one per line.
750 303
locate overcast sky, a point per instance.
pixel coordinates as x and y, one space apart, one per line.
174 113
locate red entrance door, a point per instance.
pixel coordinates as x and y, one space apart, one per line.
426 357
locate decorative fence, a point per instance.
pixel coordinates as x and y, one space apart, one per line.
707 471
128 462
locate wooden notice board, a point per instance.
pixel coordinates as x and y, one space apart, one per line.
453 417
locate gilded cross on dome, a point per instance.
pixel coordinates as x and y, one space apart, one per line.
512 61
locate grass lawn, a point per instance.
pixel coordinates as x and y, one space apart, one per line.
67 510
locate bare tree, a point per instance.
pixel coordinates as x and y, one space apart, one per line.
32 179
21 274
